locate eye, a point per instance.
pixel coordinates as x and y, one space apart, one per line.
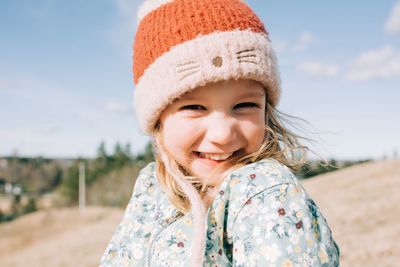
247 105
192 107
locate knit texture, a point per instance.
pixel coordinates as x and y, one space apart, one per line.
179 21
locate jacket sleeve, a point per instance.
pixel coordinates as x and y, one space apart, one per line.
282 226
129 241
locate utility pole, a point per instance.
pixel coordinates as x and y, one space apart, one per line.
82 188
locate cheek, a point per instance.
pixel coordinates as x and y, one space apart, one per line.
255 133
178 136
258 137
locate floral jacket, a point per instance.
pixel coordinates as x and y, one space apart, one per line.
261 216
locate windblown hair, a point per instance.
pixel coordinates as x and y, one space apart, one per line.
279 143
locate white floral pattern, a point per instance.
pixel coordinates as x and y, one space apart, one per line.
262 216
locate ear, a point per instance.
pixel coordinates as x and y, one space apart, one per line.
157 127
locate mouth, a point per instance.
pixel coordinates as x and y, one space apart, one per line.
215 157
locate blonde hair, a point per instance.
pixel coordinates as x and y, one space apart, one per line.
279 143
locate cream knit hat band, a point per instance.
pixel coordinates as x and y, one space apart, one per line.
221 40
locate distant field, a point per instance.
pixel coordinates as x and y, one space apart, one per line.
361 204
58 237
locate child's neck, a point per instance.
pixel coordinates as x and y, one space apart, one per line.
208 198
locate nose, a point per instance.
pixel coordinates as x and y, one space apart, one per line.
221 129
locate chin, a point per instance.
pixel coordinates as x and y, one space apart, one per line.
203 172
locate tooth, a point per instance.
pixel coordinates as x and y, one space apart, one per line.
216 157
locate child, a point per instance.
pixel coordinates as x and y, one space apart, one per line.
221 192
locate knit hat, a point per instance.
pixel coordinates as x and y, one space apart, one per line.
183 44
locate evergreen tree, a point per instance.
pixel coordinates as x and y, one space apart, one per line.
120 156
102 158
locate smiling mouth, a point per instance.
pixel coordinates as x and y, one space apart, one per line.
217 158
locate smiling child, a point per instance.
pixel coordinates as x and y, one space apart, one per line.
221 191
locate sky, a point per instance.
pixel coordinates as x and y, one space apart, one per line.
66 80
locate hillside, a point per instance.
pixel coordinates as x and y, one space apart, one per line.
359 202
57 238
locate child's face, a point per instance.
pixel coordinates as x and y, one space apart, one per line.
217 119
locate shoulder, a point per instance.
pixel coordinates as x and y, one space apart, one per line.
252 179
131 235
261 179
146 180
147 173
269 207
146 192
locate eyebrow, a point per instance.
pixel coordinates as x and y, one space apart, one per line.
250 94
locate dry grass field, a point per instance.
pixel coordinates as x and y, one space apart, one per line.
361 204
57 237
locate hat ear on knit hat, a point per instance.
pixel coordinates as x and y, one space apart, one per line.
184 44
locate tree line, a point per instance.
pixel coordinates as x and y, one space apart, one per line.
38 176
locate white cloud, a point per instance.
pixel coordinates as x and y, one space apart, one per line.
118 107
316 69
305 41
392 25
378 64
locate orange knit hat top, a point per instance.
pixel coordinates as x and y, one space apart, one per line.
179 21
182 44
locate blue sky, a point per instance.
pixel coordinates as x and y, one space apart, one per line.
66 79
